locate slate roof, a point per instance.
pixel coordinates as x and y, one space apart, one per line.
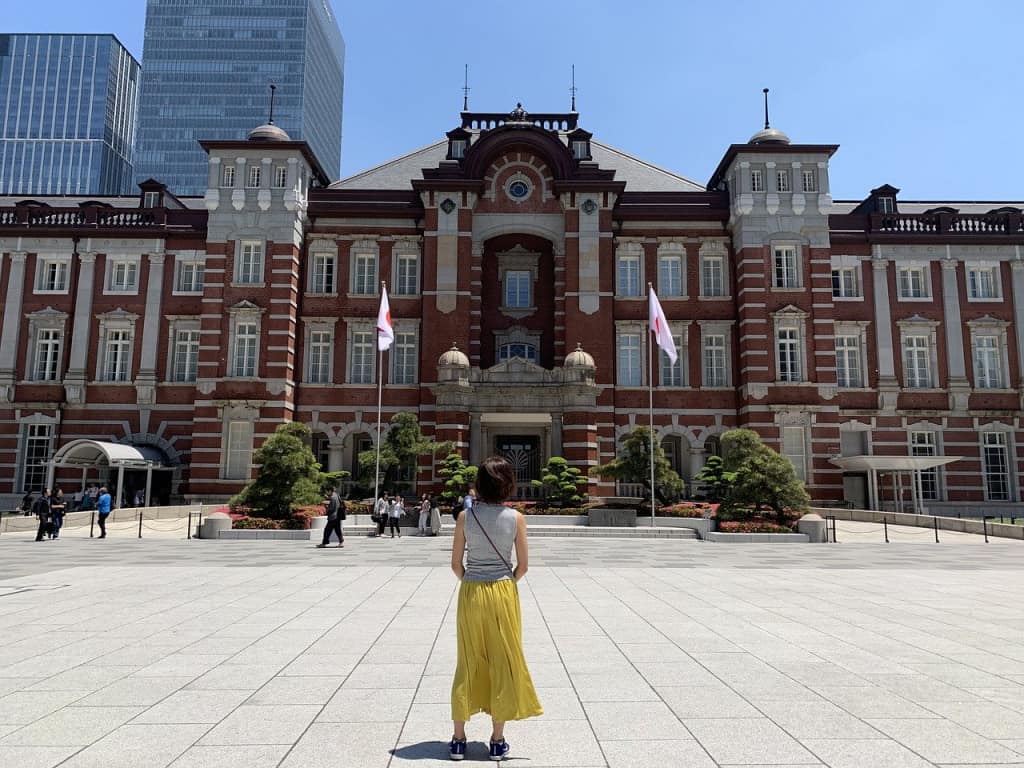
640 176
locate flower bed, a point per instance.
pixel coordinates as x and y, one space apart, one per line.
752 526
688 509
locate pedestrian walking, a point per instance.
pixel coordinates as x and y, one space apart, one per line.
103 504
467 502
491 675
58 508
41 509
424 520
435 516
335 514
26 503
395 512
380 515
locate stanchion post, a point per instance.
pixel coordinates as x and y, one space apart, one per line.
92 522
140 523
935 524
984 526
189 525
885 525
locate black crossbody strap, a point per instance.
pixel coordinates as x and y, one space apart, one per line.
489 541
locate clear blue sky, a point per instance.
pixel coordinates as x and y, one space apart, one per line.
921 95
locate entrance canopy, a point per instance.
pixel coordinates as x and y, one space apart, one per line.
896 466
93 453
892 463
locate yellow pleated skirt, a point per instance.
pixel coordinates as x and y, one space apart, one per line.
491 674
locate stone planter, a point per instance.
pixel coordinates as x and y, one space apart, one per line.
605 517
214 524
702 525
759 538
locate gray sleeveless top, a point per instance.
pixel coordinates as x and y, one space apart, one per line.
482 563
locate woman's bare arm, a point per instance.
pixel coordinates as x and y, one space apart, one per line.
522 549
459 548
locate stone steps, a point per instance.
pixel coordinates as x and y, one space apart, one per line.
564 531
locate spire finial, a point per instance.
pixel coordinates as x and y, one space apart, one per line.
572 88
272 89
766 125
465 90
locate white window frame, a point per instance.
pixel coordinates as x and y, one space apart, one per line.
631 340
917 329
245 355
517 335
193 264
791 329
41 429
847 280
913 282
239 436
117 322
977 290
677 374
790 437
280 176
512 284
886 204
48 321
671 257
989 333
629 266
178 345
118 353
227 176
250 262
712 330
405 268
713 252
323 272
319 351
782 180
62 267
786 266
364 353
756 180
118 271
504 352
856 354
403 362
254 178
925 442
849 371
364 268
809 180
997 439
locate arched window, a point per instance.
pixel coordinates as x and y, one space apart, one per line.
524 351
713 446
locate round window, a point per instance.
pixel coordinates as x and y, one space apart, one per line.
518 189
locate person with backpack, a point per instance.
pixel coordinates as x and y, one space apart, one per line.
58 508
41 509
335 514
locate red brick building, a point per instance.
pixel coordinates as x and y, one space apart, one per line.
516 251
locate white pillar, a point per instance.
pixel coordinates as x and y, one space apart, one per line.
149 484
887 384
146 379
74 382
119 493
12 325
1017 268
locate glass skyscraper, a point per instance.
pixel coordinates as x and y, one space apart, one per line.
67 115
206 70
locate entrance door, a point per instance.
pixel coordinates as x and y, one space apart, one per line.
523 453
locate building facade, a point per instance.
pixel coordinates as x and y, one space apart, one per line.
856 337
67 115
206 70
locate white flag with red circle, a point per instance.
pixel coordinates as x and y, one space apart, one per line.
385 330
659 327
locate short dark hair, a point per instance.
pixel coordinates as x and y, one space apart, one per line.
495 480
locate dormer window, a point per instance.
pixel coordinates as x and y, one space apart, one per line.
151 200
458 143
886 205
579 144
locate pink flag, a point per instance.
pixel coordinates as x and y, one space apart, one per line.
385 331
659 327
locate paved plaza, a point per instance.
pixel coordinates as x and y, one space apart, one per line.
165 652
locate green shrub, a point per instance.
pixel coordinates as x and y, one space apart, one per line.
261 523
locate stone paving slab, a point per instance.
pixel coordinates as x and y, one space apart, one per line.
200 655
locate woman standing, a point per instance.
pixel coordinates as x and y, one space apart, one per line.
435 516
491 674
424 520
395 512
58 507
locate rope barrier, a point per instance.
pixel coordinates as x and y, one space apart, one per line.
175 525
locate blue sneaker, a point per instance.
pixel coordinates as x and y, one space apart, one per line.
499 750
457 749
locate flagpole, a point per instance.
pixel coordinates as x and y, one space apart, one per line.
650 400
380 394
